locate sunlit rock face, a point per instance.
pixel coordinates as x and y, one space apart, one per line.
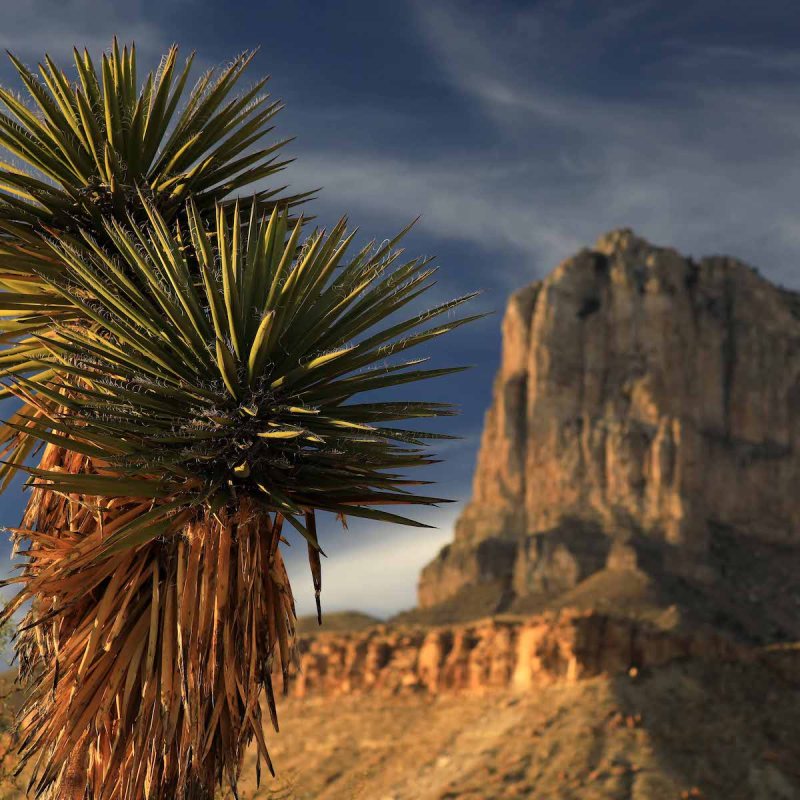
521 653
645 416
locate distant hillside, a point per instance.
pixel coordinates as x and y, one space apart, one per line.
336 622
570 706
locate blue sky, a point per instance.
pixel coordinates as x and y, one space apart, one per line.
521 131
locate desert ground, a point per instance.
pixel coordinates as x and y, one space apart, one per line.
686 730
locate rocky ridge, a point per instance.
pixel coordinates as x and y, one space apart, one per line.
497 653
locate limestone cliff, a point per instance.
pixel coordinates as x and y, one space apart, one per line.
519 653
645 425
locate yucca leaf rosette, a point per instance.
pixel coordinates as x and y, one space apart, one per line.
216 384
84 148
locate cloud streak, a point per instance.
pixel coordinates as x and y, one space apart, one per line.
39 26
686 160
459 199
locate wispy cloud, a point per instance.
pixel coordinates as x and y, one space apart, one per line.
702 166
55 26
718 57
461 199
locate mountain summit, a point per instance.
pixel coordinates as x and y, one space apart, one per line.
642 450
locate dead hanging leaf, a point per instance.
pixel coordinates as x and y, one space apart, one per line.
165 655
314 561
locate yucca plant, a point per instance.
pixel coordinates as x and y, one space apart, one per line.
201 377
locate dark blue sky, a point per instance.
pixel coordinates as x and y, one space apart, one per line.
521 131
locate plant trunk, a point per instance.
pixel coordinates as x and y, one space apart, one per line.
147 665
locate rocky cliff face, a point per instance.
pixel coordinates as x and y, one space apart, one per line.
494 654
645 422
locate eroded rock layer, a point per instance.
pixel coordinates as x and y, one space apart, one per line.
494 653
